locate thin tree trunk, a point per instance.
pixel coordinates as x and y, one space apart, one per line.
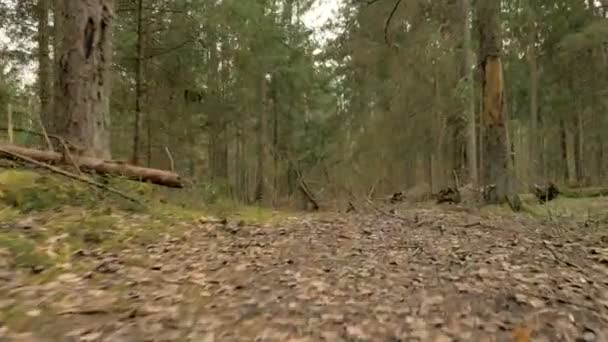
217 149
497 166
600 159
571 156
44 65
85 74
471 117
138 82
260 190
212 107
591 5
542 147
564 150
149 142
287 124
276 153
222 142
580 148
534 140
241 165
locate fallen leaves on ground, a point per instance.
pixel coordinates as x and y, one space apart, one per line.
428 275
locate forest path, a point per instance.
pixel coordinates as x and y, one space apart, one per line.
428 275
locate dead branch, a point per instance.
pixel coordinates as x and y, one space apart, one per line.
371 191
456 180
67 174
46 136
172 164
385 213
304 188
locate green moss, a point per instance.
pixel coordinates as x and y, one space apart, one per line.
258 214
23 251
16 318
92 230
8 214
28 191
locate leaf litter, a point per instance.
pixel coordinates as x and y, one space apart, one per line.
424 275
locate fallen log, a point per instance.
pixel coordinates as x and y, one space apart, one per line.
66 173
110 167
585 192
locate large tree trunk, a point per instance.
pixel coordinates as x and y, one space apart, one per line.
470 109
497 168
84 79
139 61
44 64
57 121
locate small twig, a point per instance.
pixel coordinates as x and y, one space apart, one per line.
9 122
172 164
559 259
85 312
389 19
456 181
385 213
371 191
69 174
68 156
46 136
473 224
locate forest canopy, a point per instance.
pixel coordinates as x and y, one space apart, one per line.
245 99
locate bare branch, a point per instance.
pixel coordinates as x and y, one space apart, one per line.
389 19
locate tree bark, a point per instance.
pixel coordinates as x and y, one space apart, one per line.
84 78
44 65
155 176
241 165
285 142
564 150
534 140
580 149
260 190
139 60
497 168
217 148
57 120
470 108
570 156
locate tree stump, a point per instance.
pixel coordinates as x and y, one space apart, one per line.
545 193
448 195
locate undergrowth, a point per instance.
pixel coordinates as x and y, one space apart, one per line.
46 218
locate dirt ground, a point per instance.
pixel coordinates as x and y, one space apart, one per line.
421 275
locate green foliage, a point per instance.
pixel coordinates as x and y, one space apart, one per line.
22 251
393 96
29 191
